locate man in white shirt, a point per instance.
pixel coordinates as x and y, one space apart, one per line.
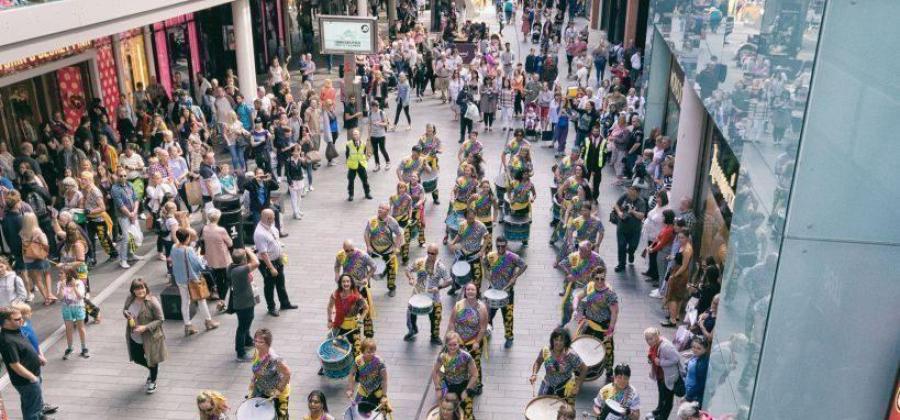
270 253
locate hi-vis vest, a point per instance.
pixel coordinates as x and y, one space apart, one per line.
584 151
357 155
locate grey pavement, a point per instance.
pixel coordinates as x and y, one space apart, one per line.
107 386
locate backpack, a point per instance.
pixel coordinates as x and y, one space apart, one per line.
37 203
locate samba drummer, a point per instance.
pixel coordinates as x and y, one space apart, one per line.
618 400
428 275
486 208
574 190
346 306
471 147
361 267
578 266
271 375
564 371
402 209
504 268
469 246
456 372
369 377
384 238
586 227
597 313
469 319
414 164
430 146
520 195
562 170
510 150
465 186
417 219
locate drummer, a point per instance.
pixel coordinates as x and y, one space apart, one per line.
597 313
417 220
512 147
318 406
369 377
428 275
563 369
447 409
566 412
384 238
456 372
346 306
414 164
271 375
504 268
361 267
622 393
472 146
486 208
469 246
465 186
566 167
578 266
430 146
402 208
521 162
469 319
586 227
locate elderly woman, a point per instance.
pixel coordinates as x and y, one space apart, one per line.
691 411
665 369
271 375
216 242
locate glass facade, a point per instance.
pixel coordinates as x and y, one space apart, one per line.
750 63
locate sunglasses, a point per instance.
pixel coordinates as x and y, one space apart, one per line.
432 253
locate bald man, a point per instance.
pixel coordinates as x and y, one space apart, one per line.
271 257
428 275
384 239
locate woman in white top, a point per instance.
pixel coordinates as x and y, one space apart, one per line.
653 224
456 85
234 137
276 73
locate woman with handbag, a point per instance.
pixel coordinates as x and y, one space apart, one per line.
144 332
35 250
665 369
186 266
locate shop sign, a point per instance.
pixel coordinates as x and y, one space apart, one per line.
723 171
38 60
676 83
348 34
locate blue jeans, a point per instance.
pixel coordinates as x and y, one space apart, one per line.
308 168
600 65
31 399
237 157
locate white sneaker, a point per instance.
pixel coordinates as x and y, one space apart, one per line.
377 168
151 387
124 264
30 298
311 188
655 294
387 166
490 330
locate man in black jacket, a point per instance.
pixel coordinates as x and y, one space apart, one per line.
465 124
260 189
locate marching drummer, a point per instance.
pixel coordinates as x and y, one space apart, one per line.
469 245
512 147
486 208
369 377
361 267
402 208
469 319
465 186
566 167
413 164
384 238
520 162
456 372
597 313
271 375
574 187
586 227
563 369
618 400
430 145
346 306
504 268
578 266
520 195
472 146
417 221
428 275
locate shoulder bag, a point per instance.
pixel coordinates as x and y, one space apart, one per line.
197 289
35 250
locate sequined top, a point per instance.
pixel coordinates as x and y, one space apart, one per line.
355 263
426 279
569 189
369 374
483 204
416 192
564 169
584 229
468 321
456 368
472 236
471 147
520 192
429 146
595 305
266 375
519 165
500 268
512 147
381 233
558 370
410 167
464 189
400 206
581 268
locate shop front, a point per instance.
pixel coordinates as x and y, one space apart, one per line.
135 68
674 93
268 32
177 45
217 40
714 198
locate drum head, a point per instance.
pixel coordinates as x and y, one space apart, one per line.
543 408
461 268
614 406
429 176
334 350
362 411
495 294
256 409
518 221
421 300
380 266
589 349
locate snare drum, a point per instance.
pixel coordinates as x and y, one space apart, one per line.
452 221
363 411
256 409
430 181
336 356
591 351
421 304
543 408
461 271
496 298
516 229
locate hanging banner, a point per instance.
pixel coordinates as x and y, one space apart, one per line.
109 82
71 92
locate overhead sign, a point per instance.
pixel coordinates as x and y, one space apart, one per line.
348 34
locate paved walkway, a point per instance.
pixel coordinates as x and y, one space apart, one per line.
109 387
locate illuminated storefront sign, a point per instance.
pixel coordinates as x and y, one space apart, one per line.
43 58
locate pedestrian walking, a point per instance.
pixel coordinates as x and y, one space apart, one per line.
357 161
186 267
272 257
144 333
243 298
216 242
22 363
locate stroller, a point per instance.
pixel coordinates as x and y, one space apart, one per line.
532 121
536 30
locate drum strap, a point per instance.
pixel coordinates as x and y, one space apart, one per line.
595 326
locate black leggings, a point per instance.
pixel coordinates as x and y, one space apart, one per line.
137 350
405 109
378 144
489 119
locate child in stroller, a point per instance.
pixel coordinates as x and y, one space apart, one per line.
532 121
